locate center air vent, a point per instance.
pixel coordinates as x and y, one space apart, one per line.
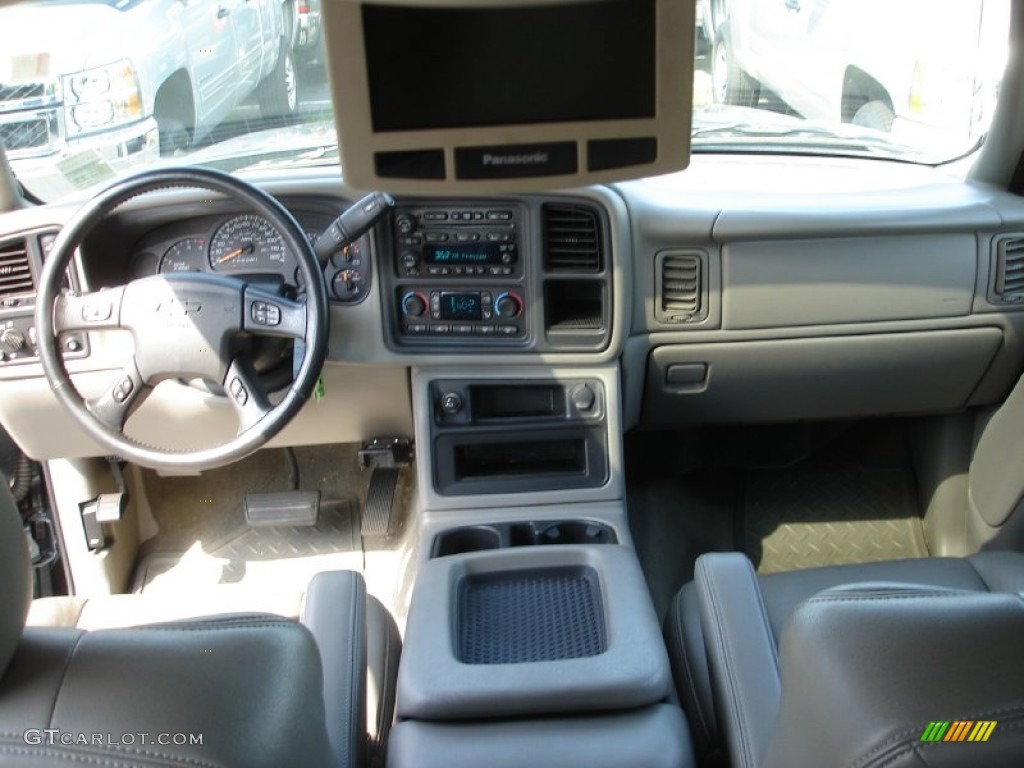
15 274
679 287
572 241
1010 271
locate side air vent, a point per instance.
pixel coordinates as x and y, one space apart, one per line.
1010 271
15 274
572 241
679 281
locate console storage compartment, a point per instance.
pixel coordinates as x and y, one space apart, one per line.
540 645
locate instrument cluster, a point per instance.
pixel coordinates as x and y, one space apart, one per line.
248 246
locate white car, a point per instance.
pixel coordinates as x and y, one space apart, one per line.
915 68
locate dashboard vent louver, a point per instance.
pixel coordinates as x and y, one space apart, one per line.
1010 270
679 287
572 241
15 274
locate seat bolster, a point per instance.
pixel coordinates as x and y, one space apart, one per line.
866 669
1001 571
741 653
684 639
383 651
335 612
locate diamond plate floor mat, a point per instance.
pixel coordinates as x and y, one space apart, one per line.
268 558
201 538
812 516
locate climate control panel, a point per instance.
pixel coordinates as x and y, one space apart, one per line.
492 312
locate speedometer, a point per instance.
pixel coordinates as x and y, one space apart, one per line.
247 242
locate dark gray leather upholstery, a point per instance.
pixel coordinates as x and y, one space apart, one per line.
697 680
901 657
15 569
255 689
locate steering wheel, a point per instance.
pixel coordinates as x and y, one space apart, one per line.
185 325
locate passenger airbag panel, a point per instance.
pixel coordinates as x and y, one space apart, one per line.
868 279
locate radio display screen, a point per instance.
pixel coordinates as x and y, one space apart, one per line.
461 306
459 255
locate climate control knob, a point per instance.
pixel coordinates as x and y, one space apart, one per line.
12 340
414 304
508 305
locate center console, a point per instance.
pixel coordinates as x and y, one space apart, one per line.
531 638
514 274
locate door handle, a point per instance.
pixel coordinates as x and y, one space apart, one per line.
793 5
223 12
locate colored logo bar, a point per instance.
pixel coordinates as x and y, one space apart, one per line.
959 730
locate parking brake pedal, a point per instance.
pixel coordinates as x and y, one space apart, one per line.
289 508
384 456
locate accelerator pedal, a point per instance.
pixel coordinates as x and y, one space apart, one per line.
287 508
384 456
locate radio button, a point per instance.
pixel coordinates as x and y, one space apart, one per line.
508 330
485 330
499 215
437 237
462 328
416 328
435 216
405 223
467 237
440 328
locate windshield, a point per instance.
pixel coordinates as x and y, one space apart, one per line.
241 84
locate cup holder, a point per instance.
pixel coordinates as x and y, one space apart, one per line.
471 539
477 538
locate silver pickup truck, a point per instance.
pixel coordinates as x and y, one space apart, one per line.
91 95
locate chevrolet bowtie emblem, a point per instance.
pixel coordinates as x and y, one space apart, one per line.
175 308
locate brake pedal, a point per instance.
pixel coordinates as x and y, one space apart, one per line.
289 508
384 456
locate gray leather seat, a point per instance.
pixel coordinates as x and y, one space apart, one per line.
761 663
249 689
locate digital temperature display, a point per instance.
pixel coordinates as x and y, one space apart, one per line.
461 306
460 255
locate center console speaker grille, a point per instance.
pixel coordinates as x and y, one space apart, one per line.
528 616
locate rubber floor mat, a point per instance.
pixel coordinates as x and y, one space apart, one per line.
810 516
270 557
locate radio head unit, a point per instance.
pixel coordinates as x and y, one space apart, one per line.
447 241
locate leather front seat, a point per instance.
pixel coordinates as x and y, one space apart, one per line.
848 665
245 690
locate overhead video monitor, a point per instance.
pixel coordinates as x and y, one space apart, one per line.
460 97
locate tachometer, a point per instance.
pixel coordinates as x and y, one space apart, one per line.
247 242
188 255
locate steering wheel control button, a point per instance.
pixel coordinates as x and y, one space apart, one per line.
123 389
238 391
265 313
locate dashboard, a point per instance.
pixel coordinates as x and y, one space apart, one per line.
743 290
